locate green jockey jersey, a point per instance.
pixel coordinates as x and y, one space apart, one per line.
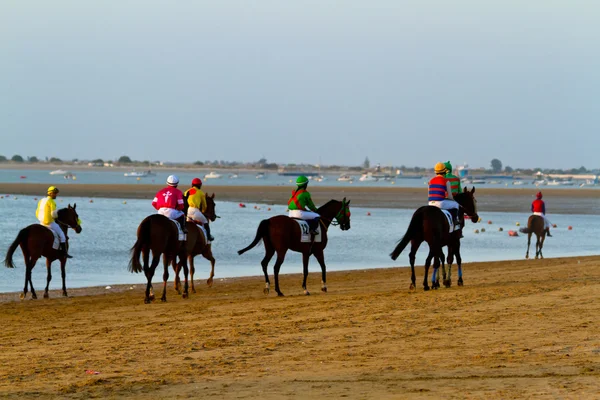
301 200
453 179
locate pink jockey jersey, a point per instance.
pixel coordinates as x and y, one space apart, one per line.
169 197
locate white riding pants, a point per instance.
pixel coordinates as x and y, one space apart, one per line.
547 223
445 204
170 213
56 229
196 215
301 214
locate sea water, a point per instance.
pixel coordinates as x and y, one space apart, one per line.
101 252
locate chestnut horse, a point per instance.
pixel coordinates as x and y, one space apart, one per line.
36 241
160 235
196 244
429 224
535 224
282 233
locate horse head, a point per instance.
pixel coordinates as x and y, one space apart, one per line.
68 216
210 212
468 202
343 216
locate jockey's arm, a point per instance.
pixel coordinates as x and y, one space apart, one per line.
544 208
449 190
309 203
203 205
180 205
155 203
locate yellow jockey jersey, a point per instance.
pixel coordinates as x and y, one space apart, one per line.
46 211
196 199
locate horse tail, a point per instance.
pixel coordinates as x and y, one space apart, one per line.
143 238
21 237
261 232
413 227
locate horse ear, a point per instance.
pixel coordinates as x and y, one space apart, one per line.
473 190
69 206
74 206
348 203
213 196
465 189
343 201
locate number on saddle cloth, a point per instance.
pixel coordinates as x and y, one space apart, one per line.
305 236
180 233
450 219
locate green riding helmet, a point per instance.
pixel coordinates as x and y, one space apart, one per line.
301 180
448 166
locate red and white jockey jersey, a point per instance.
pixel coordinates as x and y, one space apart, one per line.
169 197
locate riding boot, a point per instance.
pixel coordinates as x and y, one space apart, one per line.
207 228
63 249
313 224
548 232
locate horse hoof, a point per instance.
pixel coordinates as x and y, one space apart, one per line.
280 294
266 291
147 301
65 294
163 299
34 296
536 257
185 295
22 296
411 287
527 256
460 282
193 290
209 282
324 289
426 288
306 293
151 298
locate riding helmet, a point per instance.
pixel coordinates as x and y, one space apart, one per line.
448 166
172 180
439 168
538 195
196 182
52 189
301 180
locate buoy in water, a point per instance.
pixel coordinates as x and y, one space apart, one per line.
489 222
124 202
269 209
91 201
482 230
476 231
518 224
554 225
570 228
500 229
242 205
513 233
368 213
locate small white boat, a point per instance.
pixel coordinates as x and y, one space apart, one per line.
212 175
233 176
368 178
59 172
260 175
317 178
139 174
70 175
345 178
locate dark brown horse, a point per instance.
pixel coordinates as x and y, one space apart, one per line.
159 235
535 224
196 244
282 233
429 224
36 241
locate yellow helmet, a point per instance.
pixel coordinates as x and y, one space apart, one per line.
52 189
439 168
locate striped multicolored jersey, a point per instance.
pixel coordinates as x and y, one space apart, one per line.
454 183
437 188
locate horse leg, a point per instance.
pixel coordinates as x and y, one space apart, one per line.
414 246
269 252
537 246
176 281
183 261
166 262
63 274
278 262
321 259
450 260
528 244
27 273
149 272
48 277
209 256
305 258
427 264
192 269
542 245
435 278
442 259
459 263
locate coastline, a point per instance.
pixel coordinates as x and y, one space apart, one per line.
558 201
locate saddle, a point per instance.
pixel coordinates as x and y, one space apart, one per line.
181 234
305 234
453 227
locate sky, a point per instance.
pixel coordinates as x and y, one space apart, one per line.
332 82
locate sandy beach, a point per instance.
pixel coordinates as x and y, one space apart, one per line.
517 329
562 201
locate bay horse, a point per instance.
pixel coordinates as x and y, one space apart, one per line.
535 224
429 224
282 233
36 241
196 244
159 235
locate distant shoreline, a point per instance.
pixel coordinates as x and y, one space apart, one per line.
558 201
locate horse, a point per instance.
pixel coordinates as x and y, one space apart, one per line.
36 241
196 244
282 233
535 224
429 224
160 235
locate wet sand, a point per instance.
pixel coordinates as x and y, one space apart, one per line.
517 329
558 201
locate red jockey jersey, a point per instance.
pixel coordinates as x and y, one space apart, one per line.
538 206
169 197
437 188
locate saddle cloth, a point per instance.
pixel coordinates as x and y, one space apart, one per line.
450 222
182 237
203 231
305 232
56 243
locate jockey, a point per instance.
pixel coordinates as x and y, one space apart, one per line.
300 201
196 200
169 202
440 191
454 180
47 213
538 207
